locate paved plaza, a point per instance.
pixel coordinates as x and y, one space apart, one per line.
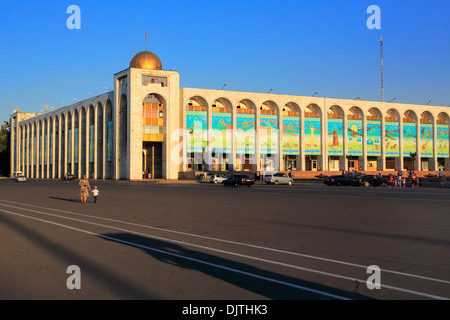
197 241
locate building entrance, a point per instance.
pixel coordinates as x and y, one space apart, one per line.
152 160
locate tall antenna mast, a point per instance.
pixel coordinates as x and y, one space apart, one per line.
382 85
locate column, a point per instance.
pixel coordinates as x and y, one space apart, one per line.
13 147
65 145
399 160
233 154
47 167
53 124
281 164
344 166
59 166
364 141
257 148
382 165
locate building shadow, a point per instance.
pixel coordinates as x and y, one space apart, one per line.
96 276
268 284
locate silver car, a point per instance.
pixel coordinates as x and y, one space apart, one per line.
217 178
278 178
20 178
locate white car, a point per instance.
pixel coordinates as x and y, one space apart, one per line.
17 173
217 178
20 178
278 178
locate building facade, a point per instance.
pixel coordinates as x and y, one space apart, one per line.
147 123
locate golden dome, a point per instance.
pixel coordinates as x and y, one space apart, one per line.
146 60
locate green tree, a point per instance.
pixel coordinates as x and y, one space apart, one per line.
4 148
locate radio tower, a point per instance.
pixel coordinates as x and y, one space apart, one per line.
382 85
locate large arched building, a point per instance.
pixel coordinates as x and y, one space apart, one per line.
148 123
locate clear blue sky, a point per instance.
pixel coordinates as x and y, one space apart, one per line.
296 47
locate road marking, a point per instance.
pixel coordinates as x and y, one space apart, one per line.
208 248
323 293
235 243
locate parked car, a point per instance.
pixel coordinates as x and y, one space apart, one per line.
217 178
338 180
278 178
238 180
16 174
369 180
20 178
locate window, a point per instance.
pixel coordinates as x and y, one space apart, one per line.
153 118
154 80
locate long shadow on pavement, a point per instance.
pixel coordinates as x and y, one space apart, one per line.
65 199
239 274
111 280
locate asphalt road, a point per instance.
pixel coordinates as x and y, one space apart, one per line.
176 241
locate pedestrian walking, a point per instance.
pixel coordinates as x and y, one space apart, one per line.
85 188
95 193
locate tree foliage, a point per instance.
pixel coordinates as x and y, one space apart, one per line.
4 148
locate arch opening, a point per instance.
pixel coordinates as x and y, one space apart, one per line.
196 133
291 136
335 139
123 161
312 137
246 135
153 108
409 131
269 136
220 142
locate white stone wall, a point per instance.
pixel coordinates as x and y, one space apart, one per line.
175 99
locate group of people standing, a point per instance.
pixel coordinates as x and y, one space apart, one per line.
400 180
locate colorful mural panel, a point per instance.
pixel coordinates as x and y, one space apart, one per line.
312 145
291 135
442 141
391 139
354 137
373 138
409 138
268 134
196 125
245 133
221 127
426 140
335 137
